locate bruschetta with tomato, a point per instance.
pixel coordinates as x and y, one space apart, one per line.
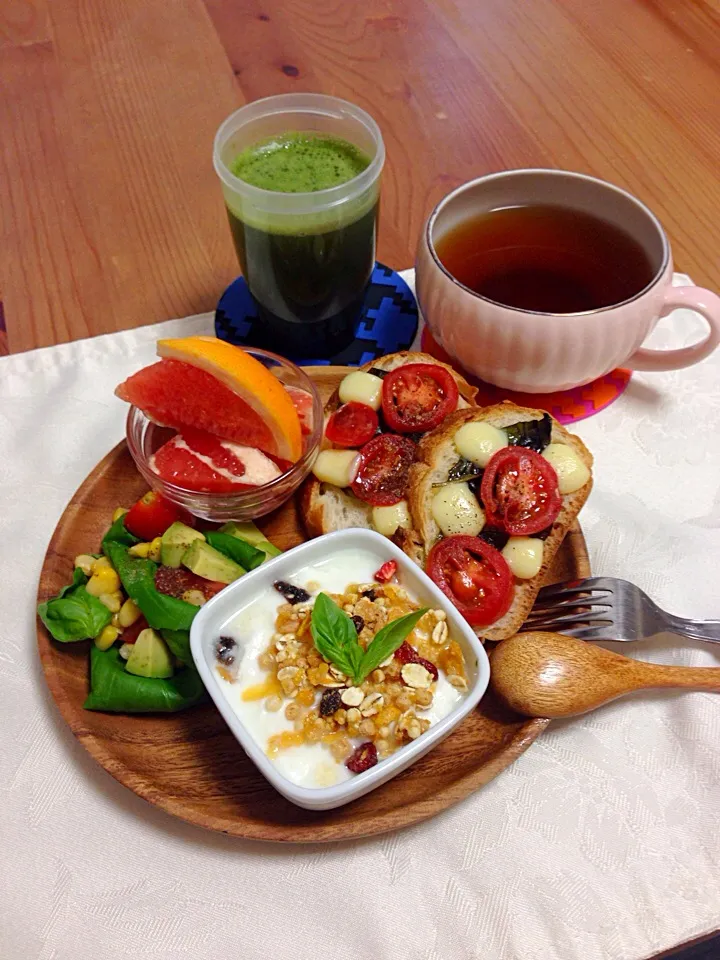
373 423
492 493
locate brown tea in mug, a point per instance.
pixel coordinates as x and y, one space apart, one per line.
545 258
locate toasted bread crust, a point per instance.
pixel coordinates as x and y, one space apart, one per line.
436 443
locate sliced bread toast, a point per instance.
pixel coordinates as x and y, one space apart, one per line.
325 508
437 454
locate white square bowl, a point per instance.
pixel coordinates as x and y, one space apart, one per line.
213 618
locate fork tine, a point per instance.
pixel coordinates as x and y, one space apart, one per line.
581 633
569 619
591 633
574 587
571 601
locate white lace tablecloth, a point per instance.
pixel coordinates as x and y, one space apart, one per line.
600 843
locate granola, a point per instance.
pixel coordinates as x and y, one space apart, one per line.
387 710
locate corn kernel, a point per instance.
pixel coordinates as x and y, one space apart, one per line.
100 563
85 562
113 601
107 637
119 512
104 581
139 550
129 613
154 550
116 622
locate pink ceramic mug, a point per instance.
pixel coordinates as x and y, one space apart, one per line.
541 352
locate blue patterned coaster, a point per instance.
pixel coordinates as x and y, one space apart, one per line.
387 321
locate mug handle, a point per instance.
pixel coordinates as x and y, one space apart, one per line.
702 301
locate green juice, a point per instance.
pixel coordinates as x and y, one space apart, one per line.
307 273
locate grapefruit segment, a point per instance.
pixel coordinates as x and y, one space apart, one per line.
303 403
197 460
249 380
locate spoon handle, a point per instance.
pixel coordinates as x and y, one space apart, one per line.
696 678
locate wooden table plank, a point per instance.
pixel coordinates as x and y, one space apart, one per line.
112 215
110 208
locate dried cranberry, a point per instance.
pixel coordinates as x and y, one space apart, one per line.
386 571
225 651
369 595
362 758
291 593
330 702
408 654
358 621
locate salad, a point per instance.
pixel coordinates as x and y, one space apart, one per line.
137 598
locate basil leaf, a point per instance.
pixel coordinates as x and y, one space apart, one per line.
463 470
74 614
179 643
118 533
335 635
238 550
115 690
138 579
533 434
386 641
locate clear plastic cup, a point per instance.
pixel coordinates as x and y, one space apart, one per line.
307 257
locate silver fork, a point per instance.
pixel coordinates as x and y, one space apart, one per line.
603 608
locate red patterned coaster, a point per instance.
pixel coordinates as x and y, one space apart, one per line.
566 406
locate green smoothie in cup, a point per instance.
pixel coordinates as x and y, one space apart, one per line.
299 163
302 206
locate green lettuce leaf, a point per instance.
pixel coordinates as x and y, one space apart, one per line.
236 549
115 690
179 643
138 579
74 614
118 533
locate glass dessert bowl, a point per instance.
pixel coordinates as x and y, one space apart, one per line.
144 439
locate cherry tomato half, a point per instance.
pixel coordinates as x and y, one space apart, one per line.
382 474
152 515
418 397
519 491
352 425
474 575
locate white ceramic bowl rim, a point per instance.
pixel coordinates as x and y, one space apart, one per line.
218 611
522 171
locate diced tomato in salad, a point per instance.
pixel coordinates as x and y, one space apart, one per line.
153 514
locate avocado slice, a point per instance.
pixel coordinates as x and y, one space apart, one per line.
150 656
209 563
175 541
252 535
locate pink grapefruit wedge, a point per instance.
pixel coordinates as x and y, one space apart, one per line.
205 383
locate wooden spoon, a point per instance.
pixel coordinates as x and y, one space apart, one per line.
550 675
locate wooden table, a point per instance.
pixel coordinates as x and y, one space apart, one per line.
111 213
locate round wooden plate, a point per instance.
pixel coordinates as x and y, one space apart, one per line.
190 764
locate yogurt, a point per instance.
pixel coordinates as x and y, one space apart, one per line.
253 625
